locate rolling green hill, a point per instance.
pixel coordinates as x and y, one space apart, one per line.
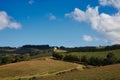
50 69
98 53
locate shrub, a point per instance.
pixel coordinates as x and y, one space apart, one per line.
110 59
96 61
59 56
84 59
70 57
33 78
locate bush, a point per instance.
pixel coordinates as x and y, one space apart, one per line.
59 56
84 59
110 59
33 78
7 59
73 58
93 60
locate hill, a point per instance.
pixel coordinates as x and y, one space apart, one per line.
98 53
110 72
33 68
50 69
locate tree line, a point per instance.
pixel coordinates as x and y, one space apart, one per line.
90 48
93 60
8 58
29 49
26 52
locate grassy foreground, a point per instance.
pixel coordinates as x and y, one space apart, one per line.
33 68
110 72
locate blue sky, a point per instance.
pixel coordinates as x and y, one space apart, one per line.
58 22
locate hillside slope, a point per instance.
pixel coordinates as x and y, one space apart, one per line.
33 68
110 72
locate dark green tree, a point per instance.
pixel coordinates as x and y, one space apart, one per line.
110 59
84 59
7 59
59 56
71 57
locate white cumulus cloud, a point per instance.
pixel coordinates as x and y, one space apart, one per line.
107 25
7 22
114 3
52 17
87 38
31 2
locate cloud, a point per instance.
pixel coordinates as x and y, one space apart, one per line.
114 3
52 17
7 22
107 25
31 2
87 38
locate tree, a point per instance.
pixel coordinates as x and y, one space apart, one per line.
7 59
110 59
0 60
26 57
84 59
71 57
17 58
96 61
58 55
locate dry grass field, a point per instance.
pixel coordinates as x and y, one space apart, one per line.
33 68
59 51
110 72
